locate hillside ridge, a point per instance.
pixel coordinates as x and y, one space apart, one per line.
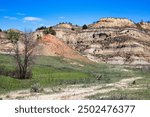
109 40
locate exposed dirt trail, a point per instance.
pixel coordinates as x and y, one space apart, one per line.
76 92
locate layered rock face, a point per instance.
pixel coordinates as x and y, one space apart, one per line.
145 25
5 45
48 45
117 44
111 40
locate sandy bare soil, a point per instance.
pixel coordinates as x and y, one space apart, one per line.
73 92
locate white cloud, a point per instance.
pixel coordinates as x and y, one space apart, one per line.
32 19
61 17
10 18
21 14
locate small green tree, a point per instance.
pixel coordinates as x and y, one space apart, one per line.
46 31
13 36
84 26
0 30
49 31
41 28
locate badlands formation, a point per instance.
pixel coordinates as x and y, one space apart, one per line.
109 40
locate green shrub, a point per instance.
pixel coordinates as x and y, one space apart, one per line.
49 31
41 28
72 29
36 88
84 26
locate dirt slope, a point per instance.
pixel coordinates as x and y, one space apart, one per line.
49 45
52 46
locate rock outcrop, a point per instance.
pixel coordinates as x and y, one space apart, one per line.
110 40
113 22
5 45
65 26
145 25
123 45
48 45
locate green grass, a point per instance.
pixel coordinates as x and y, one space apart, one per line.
54 71
141 94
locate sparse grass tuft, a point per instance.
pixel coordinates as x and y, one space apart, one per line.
36 88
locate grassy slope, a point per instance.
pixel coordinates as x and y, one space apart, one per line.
143 93
53 71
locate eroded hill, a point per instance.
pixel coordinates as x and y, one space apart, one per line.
109 40
48 45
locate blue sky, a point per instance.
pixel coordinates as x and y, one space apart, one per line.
30 14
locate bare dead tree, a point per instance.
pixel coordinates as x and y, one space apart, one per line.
23 57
